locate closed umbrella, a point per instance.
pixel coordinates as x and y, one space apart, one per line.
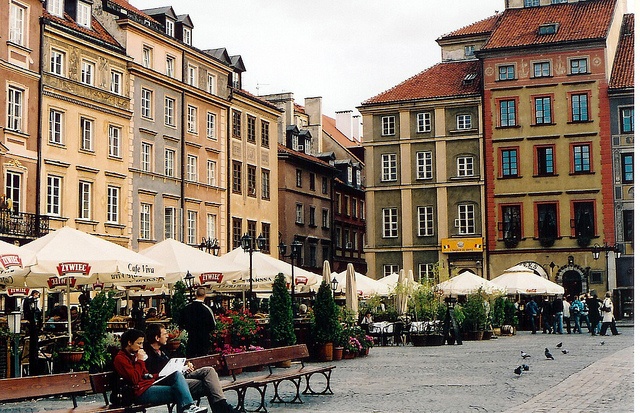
400 300
351 291
326 272
365 286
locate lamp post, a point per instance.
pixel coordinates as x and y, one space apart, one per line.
296 248
189 281
210 245
597 249
14 319
249 244
334 287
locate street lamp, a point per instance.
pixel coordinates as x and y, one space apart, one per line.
14 319
296 248
595 251
189 281
248 244
211 245
334 286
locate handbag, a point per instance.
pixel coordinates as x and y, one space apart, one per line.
606 309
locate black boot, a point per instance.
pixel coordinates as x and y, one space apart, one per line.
222 406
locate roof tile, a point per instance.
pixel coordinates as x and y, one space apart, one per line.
97 31
482 27
623 67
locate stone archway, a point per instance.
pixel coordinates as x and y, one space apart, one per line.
573 278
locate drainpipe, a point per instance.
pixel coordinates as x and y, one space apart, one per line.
39 133
229 235
183 155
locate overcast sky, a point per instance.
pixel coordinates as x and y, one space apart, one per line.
345 51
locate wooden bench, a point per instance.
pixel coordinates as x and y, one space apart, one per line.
271 357
65 384
102 383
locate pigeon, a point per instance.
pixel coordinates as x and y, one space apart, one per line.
548 354
524 355
559 344
564 351
518 370
602 343
525 367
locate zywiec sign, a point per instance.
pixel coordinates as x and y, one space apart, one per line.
301 279
54 282
214 277
17 291
10 260
65 268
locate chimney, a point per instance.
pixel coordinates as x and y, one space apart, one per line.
356 125
343 123
313 108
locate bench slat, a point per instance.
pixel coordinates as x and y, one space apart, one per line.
43 386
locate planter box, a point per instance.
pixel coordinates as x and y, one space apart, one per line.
420 340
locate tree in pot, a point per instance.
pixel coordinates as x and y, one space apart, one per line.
101 308
427 308
281 314
325 326
178 301
475 315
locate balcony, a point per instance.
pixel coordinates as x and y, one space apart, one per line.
22 225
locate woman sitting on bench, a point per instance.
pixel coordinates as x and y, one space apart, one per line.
129 364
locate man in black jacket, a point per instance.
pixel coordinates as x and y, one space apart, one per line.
594 303
198 319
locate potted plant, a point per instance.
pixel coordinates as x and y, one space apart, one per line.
324 322
72 352
510 318
176 337
281 314
498 314
429 312
178 301
100 309
475 316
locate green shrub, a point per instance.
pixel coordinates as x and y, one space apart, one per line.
281 314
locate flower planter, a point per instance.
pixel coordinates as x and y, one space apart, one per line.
347 355
173 345
486 335
337 353
70 356
421 340
325 352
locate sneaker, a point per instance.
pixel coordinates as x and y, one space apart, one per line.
194 409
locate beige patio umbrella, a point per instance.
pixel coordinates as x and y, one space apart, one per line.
351 290
402 296
14 264
326 272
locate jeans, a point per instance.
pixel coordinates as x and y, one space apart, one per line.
558 323
172 389
532 320
576 320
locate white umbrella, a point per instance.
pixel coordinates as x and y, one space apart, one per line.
350 289
522 280
178 258
326 272
468 283
14 264
401 295
365 286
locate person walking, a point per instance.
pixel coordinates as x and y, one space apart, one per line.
557 307
202 382
198 319
547 316
608 320
33 315
531 310
566 313
576 311
593 304
584 314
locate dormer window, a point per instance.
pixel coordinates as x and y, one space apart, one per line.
469 78
83 17
349 175
169 28
55 7
469 50
551 28
186 36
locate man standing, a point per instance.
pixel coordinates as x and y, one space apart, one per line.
198 319
566 313
593 303
557 310
33 315
202 382
547 316
531 309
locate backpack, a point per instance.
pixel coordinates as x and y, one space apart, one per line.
122 393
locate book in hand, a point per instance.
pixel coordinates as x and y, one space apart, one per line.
173 365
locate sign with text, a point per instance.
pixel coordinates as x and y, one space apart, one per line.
54 282
10 260
450 245
213 277
76 268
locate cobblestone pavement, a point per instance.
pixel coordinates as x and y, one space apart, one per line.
475 377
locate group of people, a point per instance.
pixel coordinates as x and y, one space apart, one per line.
561 313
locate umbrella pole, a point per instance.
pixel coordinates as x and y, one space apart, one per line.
69 309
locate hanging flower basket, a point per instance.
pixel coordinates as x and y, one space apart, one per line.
71 356
173 345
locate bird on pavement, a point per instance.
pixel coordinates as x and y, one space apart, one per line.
518 370
548 354
564 351
559 344
524 355
525 367
602 343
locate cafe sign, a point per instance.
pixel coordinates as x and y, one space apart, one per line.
54 282
301 279
10 260
80 268
17 291
215 277
452 245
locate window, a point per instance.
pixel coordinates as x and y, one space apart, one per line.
145 221
543 110
113 202
171 66
145 157
212 173
508 113
423 122
627 224
169 111
251 129
349 177
17 14
338 237
115 139
211 84
465 166
236 231
362 209
469 50
86 134
511 223
388 269
388 125
547 221
506 72
325 218
54 192
84 198
145 104
509 163
251 180
312 216
211 126
236 124
170 223
299 214
57 62
541 69
531 3
169 162
578 66
325 185
192 168
236 184
12 189
583 219
266 233
192 119
426 271
147 57
266 184
168 28
299 178
56 119
88 70
338 203
463 121
581 158
626 120
551 28
192 222
544 160
186 36
116 82
312 181
389 167
264 135
425 221
55 7
192 76
358 178
84 14
579 107
626 160
466 222
389 222
15 104
347 205
211 226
